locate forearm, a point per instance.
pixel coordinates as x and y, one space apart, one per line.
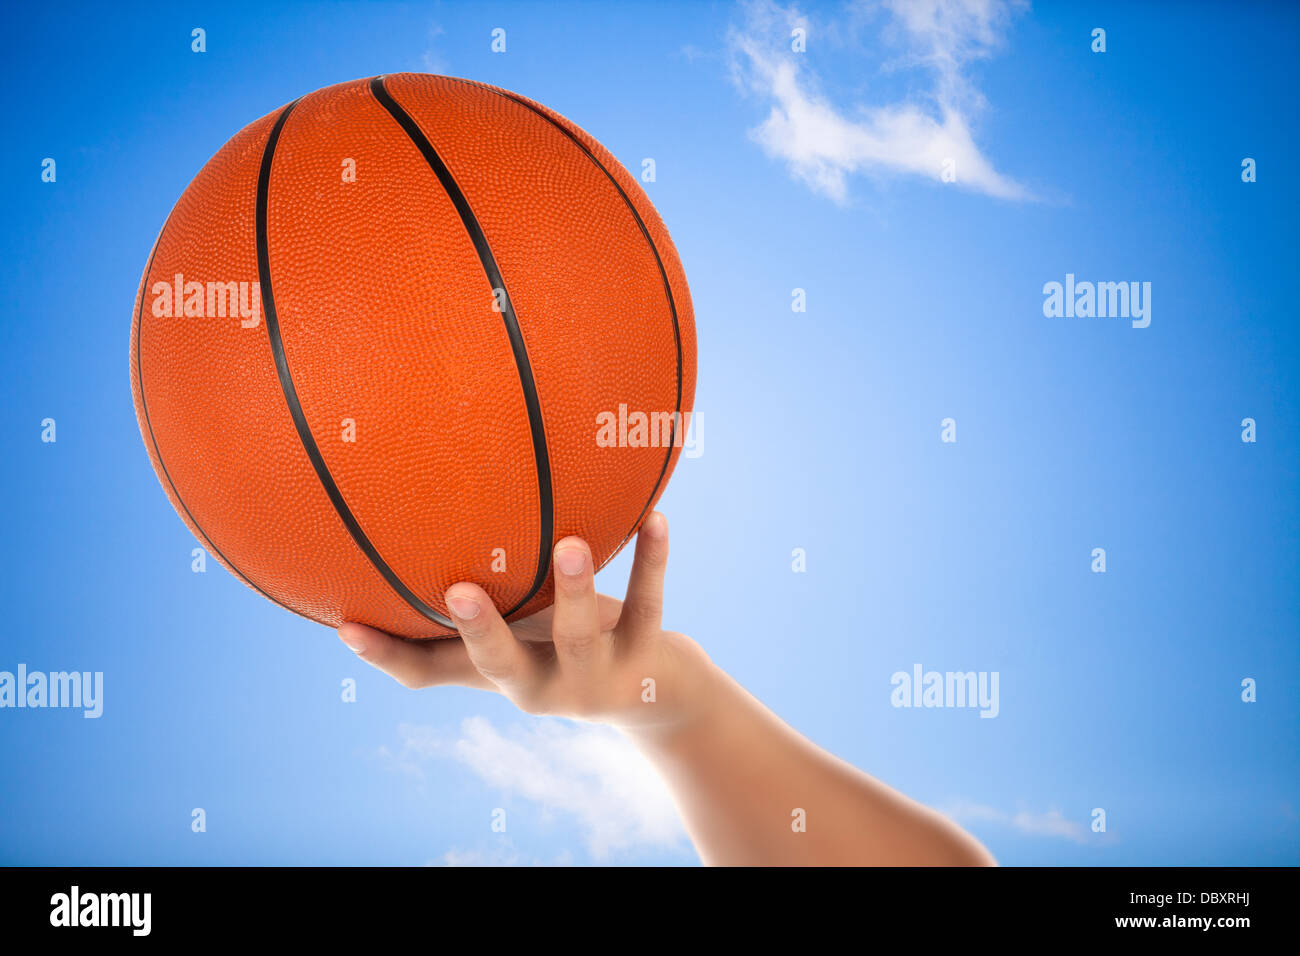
752 791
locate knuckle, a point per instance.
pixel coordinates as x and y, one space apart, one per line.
498 672
471 632
571 587
647 612
496 666
532 701
576 646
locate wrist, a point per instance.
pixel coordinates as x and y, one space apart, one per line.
695 697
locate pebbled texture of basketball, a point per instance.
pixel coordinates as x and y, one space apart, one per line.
405 332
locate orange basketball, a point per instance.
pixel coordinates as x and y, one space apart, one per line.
409 331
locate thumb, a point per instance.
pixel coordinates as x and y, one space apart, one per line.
412 663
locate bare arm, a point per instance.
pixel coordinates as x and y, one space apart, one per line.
751 790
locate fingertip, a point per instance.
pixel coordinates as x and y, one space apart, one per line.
463 606
571 557
572 541
655 526
354 636
471 608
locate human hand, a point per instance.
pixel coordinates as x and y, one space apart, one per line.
588 656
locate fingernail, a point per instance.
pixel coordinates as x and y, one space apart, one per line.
570 560
656 526
464 608
356 644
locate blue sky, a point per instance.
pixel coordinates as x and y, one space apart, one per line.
821 430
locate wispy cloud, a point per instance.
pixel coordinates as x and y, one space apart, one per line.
1052 823
824 144
589 774
432 58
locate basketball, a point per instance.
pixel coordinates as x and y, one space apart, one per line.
408 331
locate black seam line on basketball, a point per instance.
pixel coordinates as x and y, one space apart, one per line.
153 439
540 455
291 393
663 273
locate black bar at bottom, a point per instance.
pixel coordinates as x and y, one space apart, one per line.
440 905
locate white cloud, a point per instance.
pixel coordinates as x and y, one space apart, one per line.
589 774
1053 823
823 145
504 855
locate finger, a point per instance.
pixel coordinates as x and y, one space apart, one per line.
492 649
536 628
644 604
412 664
576 625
